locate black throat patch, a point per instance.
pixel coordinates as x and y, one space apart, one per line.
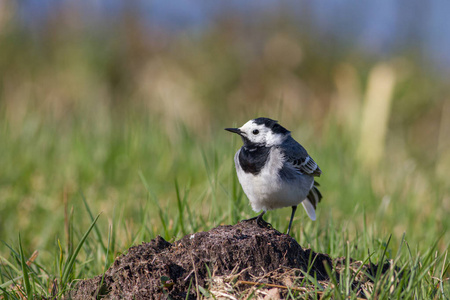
252 159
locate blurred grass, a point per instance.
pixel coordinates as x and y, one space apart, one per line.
133 120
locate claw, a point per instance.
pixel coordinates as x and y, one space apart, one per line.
259 220
262 223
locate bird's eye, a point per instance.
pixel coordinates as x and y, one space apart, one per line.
255 132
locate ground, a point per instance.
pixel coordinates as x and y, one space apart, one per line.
227 261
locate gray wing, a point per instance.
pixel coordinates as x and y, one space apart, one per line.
299 158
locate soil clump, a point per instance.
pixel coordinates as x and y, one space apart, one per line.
224 258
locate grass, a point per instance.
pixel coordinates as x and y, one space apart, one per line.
144 186
135 134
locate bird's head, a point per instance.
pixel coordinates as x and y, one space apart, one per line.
262 132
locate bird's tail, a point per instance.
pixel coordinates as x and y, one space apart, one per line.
311 201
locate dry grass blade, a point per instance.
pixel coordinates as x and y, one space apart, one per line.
195 276
32 257
300 289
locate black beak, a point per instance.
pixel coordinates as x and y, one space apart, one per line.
235 130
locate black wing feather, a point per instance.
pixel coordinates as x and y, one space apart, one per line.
299 158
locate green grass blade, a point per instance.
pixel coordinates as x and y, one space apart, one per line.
180 208
5 294
155 201
189 290
71 260
106 260
26 278
96 230
330 274
4 261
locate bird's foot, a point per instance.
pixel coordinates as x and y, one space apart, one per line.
251 219
259 220
262 223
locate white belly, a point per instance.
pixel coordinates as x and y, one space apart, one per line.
267 190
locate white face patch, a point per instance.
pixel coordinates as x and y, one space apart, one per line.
260 134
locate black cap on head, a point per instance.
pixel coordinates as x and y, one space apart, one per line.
272 124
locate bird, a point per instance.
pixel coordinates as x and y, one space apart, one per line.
274 170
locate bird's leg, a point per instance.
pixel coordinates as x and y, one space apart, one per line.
294 208
254 218
259 220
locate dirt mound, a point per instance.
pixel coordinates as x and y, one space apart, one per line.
161 270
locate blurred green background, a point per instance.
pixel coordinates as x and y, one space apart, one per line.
131 116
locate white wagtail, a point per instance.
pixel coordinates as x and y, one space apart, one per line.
274 170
